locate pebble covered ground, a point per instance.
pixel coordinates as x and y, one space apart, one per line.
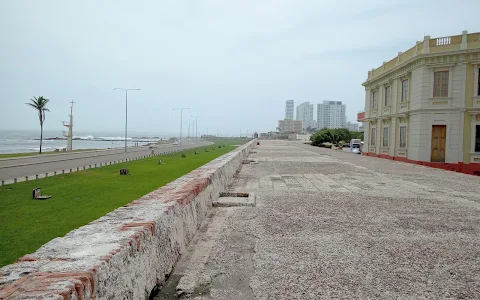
334 225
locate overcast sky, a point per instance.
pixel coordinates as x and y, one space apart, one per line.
233 63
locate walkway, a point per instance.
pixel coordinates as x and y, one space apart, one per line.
329 224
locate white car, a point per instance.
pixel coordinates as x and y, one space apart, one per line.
176 143
356 148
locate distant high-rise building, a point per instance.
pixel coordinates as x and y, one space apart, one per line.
352 126
305 114
289 110
290 126
331 114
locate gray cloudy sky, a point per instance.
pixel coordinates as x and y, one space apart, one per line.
234 63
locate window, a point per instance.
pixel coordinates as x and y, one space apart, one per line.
440 84
404 91
372 137
385 137
478 79
388 91
477 138
403 137
374 100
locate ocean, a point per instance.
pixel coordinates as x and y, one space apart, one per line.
24 141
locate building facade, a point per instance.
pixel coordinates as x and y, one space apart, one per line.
352 126
290 126
423 106
331 114
305 114
289 109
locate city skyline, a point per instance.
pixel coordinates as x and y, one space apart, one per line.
305 112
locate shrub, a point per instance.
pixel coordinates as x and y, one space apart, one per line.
333 136
327 145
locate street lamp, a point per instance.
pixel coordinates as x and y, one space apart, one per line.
126 110
196 128
181 121
191 122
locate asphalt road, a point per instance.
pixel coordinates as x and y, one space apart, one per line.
41 164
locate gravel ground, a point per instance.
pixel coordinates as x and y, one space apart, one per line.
331 224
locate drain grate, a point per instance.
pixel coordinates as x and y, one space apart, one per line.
231 199
249 161
230 194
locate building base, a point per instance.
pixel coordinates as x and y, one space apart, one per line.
471 169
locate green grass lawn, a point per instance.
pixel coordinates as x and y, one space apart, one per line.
81 197
12 155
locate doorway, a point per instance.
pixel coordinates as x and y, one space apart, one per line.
439 141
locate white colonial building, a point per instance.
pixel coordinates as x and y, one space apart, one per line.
423 106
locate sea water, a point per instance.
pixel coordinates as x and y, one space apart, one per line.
24 141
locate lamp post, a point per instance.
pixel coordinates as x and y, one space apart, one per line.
196 128
181 121
192 122
126 110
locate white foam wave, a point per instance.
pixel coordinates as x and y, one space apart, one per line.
88 137
120 138
43 149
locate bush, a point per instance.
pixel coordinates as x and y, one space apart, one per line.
333 136
327 145
320 137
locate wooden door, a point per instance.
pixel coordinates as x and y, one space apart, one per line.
439 141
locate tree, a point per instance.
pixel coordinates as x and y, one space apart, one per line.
343 134
334 136
40 104
357 135
320 137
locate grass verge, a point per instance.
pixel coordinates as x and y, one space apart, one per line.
81 197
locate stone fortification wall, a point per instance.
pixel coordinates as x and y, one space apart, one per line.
129 251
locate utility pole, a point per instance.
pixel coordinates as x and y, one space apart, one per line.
70 129
192 121
181 121
196 128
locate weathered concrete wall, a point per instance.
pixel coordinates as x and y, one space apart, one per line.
126 253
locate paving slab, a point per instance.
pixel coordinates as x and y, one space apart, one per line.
334 225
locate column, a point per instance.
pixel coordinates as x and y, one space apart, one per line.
463 46
378 137
392 143
426 44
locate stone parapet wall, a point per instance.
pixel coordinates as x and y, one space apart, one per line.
129 251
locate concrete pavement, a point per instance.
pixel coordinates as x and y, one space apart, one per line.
329 224
41 164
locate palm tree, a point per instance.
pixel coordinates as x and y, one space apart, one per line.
40 104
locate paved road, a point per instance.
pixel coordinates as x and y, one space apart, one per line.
333 225
41 164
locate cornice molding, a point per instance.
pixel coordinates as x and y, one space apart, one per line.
441 65
418 61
